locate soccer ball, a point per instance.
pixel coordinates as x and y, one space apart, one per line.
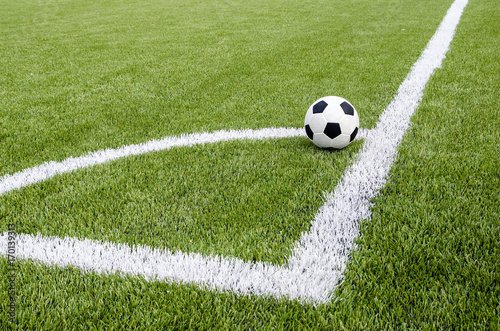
331 122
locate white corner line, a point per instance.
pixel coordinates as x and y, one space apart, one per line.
319 258
50 169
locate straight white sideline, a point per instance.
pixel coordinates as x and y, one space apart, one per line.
320 256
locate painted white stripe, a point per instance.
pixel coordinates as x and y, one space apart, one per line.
324 250
319 258
50 169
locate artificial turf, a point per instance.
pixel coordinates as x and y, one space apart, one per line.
427 258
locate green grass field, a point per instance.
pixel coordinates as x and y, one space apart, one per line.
80 76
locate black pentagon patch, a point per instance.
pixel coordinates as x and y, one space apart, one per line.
353 134
347 108
319 107
332 130
309 132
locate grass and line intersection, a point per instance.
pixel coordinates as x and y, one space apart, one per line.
155 172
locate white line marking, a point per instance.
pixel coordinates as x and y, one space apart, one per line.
50 169
325 248
319 258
